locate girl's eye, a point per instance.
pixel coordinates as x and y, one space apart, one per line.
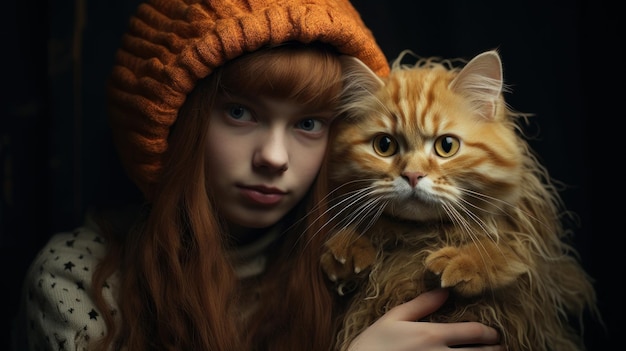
310 125
239 112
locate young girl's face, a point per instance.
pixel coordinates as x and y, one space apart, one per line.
263 155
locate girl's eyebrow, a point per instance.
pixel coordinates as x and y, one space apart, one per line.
260 102
243 99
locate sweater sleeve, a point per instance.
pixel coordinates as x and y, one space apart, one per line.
58 312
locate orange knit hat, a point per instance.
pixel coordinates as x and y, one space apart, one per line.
171 44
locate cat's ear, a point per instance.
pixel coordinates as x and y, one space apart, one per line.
481 81
359 81
355 70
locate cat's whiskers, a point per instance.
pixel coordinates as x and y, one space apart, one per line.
493 201
372 207
476 218
363 204
323 201
462 223
517 215
494 235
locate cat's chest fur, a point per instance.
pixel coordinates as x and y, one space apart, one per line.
391 235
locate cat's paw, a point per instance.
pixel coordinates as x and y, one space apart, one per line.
457 270
340 261
333 267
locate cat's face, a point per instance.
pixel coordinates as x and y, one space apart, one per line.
424 147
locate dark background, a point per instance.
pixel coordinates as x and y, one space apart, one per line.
563 60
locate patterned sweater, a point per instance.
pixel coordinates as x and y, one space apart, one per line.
58 312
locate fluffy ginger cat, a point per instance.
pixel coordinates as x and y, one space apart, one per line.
434 185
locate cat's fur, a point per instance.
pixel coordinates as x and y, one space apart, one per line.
435 185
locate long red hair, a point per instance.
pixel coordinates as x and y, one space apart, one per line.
177 288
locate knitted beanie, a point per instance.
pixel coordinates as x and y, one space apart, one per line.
171 44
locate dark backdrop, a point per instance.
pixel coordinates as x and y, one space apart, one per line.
561 58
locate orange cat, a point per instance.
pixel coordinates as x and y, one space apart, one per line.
434 185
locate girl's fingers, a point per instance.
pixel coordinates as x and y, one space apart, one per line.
418 308
454 334
472 333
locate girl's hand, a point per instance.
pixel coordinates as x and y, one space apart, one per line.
398 331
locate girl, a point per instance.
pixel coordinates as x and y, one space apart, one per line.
220 112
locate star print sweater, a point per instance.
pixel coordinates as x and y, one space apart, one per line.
58 312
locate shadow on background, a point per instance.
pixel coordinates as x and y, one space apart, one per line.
55 150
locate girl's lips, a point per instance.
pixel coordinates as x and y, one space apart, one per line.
262 196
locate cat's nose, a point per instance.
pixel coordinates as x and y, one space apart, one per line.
413 177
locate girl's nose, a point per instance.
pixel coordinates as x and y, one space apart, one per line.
272 154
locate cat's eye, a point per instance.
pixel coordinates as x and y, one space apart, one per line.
447 145
385 145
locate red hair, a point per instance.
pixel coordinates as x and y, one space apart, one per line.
178 289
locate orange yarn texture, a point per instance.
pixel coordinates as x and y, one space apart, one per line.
171 44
